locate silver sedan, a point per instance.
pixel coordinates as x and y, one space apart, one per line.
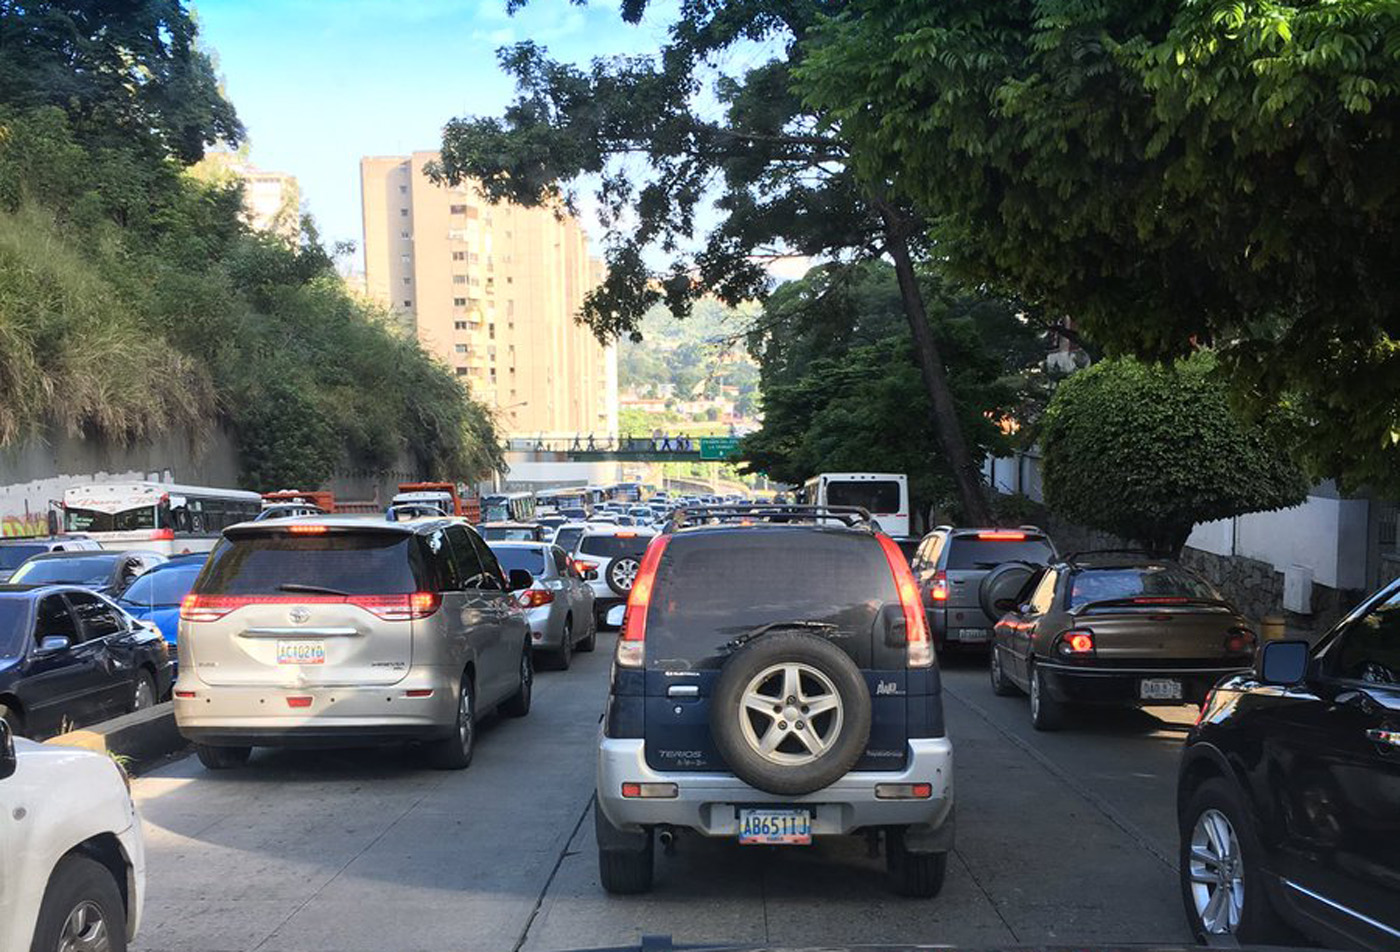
558 605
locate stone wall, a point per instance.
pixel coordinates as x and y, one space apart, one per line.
1257 589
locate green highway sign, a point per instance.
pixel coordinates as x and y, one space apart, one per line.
718 447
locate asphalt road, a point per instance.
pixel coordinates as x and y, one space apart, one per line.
1064 838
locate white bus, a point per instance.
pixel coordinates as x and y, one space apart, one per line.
158 516
508 507
884 495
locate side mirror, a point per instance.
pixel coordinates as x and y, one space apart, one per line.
1284 662
50 644
616 614
8 759
520 580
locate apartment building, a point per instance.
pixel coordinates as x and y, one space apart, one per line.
271 200
493 291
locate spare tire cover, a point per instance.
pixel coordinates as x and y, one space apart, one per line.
790 713
1004 581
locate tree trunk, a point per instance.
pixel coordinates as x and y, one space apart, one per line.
967 475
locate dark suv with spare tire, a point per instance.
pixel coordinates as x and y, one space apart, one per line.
774 681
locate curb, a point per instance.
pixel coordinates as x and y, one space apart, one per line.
140 737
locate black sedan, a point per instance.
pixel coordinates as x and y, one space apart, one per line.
69 657
1289 791
101 571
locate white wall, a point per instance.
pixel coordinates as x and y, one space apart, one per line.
1015 474
1324 534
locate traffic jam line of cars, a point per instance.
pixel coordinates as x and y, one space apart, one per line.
775 680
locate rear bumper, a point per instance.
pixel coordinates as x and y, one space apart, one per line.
959 626
338 716
1083 685
708 802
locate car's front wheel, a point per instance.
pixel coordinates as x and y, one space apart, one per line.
82 909
143 693
1218 865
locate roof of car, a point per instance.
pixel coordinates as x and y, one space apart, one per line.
607 528
510 525
518 544
83 554
344 522
22 588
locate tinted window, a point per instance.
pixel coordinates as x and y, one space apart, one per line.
614 547
12 555
875 495
531 560
14 626
712 588
561 561
358 563
1096 585
162 589
79 570
96 617
508 534
492 577
466 564
567 537
970 552
1370 646
574 513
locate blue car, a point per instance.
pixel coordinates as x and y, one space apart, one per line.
155 596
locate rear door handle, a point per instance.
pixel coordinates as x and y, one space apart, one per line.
683 690
1381 736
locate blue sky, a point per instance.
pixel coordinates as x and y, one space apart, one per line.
320 83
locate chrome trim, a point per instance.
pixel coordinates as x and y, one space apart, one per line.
683 690
299 632
1395 933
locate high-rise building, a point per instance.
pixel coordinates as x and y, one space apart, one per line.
271 200
493 290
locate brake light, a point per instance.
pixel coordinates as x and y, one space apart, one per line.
162 535
631 646
581 566
398 607
919 647
306 530
208 607
1077 642
1240 640
938 591
535 597
1003 535
625 535
401 607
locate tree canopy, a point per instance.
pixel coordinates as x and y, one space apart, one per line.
1146 451
1170 174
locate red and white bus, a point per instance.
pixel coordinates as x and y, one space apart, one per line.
162 517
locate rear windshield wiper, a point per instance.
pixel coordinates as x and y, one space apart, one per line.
740 640
310 589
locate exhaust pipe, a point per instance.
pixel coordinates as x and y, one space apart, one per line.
667 838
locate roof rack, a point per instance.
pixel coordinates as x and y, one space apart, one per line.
853 517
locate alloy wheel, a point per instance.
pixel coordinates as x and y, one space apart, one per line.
85 930
464 718
624 573
791 713
144 696
1035 694
1217 873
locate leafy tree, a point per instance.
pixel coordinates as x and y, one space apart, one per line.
1171 174
659 131
841 387
1147 451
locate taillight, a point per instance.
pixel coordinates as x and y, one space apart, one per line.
535 597
920 648
208 607
631 646
938 591
582 567
1003 536
1075 643
307 530
162 535
1240 641
398 607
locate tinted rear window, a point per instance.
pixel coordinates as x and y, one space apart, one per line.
567 538
508 533
368 563
1096 585
14 625
712 588
613 547
874 495
80 570
970 552
12 555
531 560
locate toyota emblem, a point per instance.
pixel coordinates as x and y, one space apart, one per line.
300 615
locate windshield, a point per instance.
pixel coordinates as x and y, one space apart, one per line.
91 570
1096 585
511 558
91 520
12 555
14 626
163 588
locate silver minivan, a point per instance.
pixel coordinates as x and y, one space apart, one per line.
339 631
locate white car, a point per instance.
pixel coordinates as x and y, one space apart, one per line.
72 861
609 558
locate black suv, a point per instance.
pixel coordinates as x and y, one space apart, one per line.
1289 791
774 681
951 566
